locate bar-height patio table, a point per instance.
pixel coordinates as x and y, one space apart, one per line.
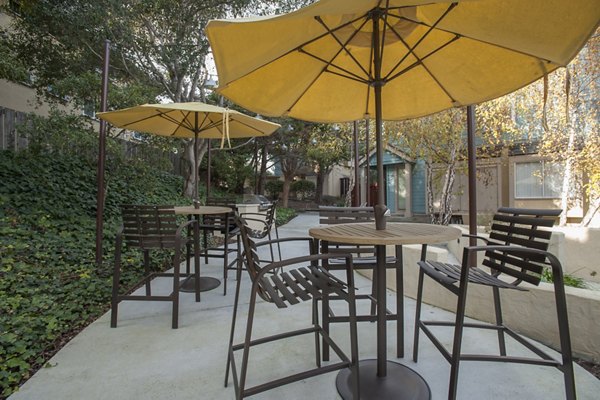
205 283
382 379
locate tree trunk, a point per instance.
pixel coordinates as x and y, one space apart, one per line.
430 207
188 158
262 179
566 184
319 188
287 183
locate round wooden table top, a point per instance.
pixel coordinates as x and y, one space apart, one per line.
202 210
395 233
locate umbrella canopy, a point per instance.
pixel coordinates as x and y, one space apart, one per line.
433 55
189 120
343 60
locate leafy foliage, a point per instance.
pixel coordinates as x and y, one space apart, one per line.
274 187
284 215
50 286
303 188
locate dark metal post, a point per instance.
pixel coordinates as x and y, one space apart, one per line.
368 165
195 196
377 84
356 175
255 166
472 156
101 157
208 163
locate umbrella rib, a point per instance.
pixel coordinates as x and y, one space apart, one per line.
411 49
487 42
343 45
385 24
297 48
350 75
420 60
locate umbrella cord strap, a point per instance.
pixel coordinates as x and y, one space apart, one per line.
225 129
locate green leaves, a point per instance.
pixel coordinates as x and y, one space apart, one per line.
49 284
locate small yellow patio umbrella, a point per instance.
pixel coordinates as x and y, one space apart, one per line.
190 120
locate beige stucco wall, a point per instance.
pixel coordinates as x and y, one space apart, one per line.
331 186
531 313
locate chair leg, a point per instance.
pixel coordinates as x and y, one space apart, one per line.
278 244
114 308
325 314
353 342
175 294
247 340
499 321
315 322
271 248
225 259
565 337
233 319
458 332
418 316
399 304
373 292
147 271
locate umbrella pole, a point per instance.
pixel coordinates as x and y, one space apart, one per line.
102 157
368 166
472 174
377 84
195 196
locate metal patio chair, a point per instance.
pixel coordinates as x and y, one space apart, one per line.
363 258
266 224
224 224
150 228
515 252
287 283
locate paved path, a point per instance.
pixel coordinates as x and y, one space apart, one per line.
147 360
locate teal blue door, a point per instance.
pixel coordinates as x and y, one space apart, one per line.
391 189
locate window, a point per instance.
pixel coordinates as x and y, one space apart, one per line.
539 179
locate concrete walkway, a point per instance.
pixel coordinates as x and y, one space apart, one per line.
145 359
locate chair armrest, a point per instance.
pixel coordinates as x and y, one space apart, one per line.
483 238
287 239
311 258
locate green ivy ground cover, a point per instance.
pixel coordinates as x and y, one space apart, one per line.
49 285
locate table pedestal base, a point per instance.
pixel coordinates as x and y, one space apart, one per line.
401 382
206 283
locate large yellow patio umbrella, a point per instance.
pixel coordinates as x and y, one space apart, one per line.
344 60
190 120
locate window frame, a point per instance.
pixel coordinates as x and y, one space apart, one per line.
543 196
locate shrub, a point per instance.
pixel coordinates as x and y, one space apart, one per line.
284 215
50 287
273 188
303 189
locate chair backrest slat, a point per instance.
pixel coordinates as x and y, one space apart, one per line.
329 215
149 226
343 215
520 227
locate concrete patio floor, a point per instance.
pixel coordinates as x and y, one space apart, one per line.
145 359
